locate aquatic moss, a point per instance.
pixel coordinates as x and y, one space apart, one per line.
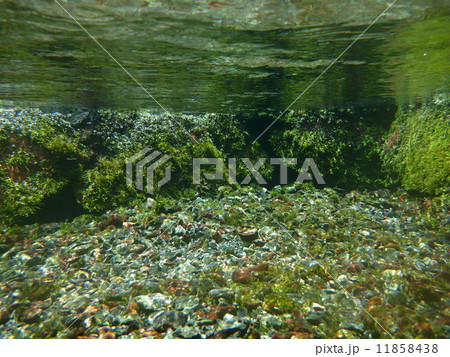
345 144
417 150
39 289
272 288
104 187
39 157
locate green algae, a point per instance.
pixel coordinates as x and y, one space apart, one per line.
49 155
37 161
105 187
39 289
345 144
417 150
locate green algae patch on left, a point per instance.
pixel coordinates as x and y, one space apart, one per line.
40 155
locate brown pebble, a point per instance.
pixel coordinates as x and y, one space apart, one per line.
114 221
282 335
254 335
109 335
217 237
242 276
222 334
133 306
4 316
31 315
249 235
217 311
354 268
222 310
260 267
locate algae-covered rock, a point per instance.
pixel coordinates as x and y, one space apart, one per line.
344 143
104 186
40 156
47 159
417 150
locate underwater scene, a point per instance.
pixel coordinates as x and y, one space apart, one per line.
174 169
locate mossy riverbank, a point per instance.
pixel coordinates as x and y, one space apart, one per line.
75 163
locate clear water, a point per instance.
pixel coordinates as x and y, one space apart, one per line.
230 56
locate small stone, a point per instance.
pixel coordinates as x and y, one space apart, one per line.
260 267
231 327
154 302
249 235
4 316
229 319
186 303
150 202
79 304
396 297
354 268
217 237
314 319
343 333
224 293
434 263
179 230
271 321
242 276
169 319
342 279
282 335
114 220
318 307
35 261
31 315
391 273
167 223
188 332
108 335
355 326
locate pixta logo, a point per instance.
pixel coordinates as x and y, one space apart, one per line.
149 173
253 168
138 164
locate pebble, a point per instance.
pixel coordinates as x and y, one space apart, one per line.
315 306
168 319
224 293
242 276
31 315
193 274
4 316
155 302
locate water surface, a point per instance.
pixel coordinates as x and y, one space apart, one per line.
233 56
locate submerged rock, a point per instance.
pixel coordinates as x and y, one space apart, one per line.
168 319
154 302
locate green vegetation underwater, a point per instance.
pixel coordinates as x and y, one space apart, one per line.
361 87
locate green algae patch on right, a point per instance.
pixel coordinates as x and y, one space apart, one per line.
417 151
